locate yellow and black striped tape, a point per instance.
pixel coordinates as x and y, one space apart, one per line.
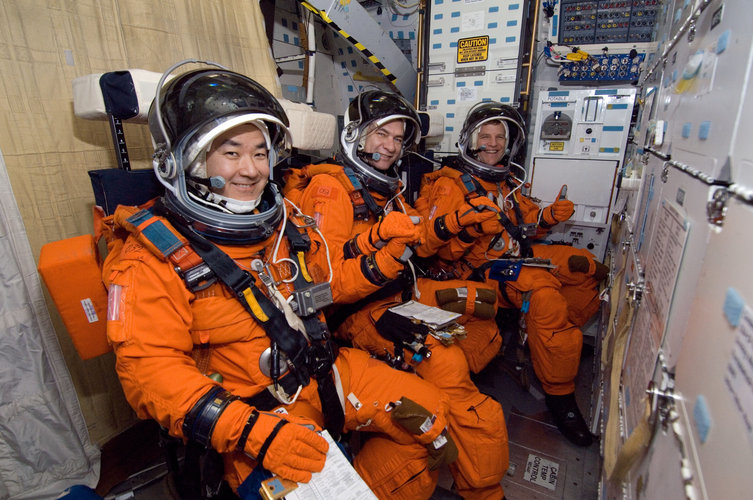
358 45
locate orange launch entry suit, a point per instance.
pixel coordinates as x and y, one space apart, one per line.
476 420
560 301
168 339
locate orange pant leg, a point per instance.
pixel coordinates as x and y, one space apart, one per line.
555 342
580 290
482 341
582 303
395 471
477 423
559 255
394 463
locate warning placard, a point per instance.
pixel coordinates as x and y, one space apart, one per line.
542 472
473 49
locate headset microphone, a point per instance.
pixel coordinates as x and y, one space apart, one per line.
216 181
375 156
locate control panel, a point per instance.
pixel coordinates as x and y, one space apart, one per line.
606 67
606 21
579 141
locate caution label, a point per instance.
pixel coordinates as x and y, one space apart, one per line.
556 146
473 49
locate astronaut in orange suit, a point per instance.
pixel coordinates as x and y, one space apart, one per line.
357 203
212 336
555 302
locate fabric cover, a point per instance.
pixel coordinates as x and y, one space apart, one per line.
44 442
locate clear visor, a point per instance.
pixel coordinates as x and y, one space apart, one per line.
195 145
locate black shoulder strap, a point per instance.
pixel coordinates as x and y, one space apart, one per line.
368 199
261 308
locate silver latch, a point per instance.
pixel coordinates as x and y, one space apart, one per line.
664 411
436 82
636 289
716 208
438 67
470 71
662 398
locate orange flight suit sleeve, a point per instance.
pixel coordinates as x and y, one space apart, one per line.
328 202
436 199
149 328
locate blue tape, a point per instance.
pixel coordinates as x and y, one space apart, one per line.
702 418
733 306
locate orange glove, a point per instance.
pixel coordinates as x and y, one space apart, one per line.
284 445
559 211
474 211
491 227
391 259
393 225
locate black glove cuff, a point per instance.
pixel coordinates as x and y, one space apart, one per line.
350 249
201 419
247 430
371 271
542 223
267 442
465 236
440 228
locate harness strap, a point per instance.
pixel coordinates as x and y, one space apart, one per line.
266 401
368 199
324 351
261 308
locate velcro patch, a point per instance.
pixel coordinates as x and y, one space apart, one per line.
325 191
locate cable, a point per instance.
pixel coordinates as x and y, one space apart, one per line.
312 223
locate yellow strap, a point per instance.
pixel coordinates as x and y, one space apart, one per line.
634 447
302 266
254 305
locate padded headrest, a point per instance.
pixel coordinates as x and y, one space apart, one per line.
128 94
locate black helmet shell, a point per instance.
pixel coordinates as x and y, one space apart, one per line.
376 107
188 113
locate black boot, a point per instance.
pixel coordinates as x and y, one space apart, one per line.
568 419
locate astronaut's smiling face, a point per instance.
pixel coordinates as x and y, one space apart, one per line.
491 143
